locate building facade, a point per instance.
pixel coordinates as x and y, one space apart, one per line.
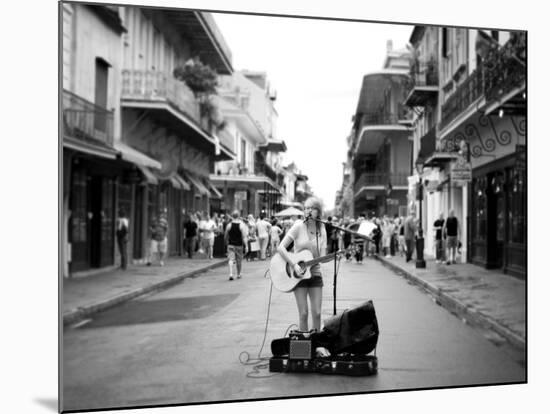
134 137
251 183
477 164
380 148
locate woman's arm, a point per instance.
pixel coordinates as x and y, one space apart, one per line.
282 249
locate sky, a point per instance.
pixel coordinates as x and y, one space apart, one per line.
316 66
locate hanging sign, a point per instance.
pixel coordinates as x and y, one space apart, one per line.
461 171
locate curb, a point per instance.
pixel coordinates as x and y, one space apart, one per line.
458 308
85 311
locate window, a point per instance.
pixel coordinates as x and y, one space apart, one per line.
445 42
101 89
517 205
479 216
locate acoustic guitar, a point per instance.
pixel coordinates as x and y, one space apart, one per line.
283 276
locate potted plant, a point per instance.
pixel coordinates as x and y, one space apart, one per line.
203 81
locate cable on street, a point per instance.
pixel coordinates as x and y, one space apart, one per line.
260 362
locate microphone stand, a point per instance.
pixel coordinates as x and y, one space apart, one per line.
354 233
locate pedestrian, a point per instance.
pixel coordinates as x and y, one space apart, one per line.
236 239
159 239
276 232
263 228
387 231
409 233
401 237
377 235
208 228
359 242
190 231
451 234
122 238
333 236
307 235
438 238
346 238
253 245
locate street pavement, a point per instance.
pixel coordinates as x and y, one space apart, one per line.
84 296
482 297
486 298
207 339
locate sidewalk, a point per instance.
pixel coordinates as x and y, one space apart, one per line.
487 298
84 296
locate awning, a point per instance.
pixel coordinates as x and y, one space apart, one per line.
184 184
99 150
175 183
149 176
132 155
197 184
215 192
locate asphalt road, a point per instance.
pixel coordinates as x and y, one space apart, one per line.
187 344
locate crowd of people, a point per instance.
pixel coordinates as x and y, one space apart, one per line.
390 236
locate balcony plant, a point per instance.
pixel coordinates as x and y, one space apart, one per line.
203 82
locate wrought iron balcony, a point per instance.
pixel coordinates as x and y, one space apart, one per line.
465 95
375 179
159 87
505 68
423 84
86 121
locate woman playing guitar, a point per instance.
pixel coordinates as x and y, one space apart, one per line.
309 235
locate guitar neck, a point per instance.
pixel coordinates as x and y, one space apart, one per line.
321 259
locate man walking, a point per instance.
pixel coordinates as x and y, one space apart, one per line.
409 233
190 229
439 247
122 238
236 234
451 232
159 234
263 227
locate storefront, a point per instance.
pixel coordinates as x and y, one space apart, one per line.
498 222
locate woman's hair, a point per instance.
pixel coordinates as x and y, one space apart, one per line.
316 204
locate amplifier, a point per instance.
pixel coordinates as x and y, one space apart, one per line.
300 346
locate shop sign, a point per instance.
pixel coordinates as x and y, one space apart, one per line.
461 171
240 195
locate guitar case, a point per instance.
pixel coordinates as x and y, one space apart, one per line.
343 364
349 336
353 331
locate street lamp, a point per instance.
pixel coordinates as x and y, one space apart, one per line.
420 262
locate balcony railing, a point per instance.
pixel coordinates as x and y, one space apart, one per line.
380 179
86 121
466 94
158 86
505 68
423 76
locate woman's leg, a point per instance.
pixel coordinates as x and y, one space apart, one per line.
301 300
316 301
